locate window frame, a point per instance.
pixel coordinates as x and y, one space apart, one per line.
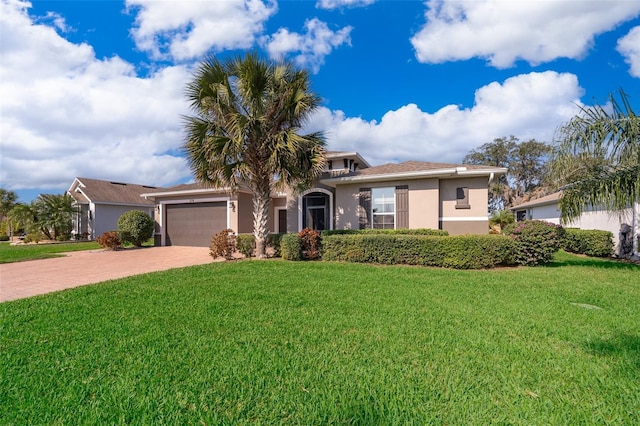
388 214
462 197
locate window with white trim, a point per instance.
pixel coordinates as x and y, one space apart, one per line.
383 208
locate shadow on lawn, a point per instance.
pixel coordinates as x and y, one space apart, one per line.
592 262
620 346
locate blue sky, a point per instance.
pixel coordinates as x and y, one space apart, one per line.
96 88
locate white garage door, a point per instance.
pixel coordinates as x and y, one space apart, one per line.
194 224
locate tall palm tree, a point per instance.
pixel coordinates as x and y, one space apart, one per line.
597 159
245 130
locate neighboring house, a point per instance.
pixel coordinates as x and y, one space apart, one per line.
349 195
548 209
101 203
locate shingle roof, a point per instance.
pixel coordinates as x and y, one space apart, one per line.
413 166
547 199
109 192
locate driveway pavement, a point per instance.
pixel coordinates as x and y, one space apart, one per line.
26 279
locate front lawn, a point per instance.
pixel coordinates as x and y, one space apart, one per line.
22 252
275 342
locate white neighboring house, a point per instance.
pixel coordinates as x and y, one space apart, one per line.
548 209
101 203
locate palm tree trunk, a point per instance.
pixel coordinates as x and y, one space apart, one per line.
261 203
635 226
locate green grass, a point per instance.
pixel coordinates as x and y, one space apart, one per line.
275 342
19 253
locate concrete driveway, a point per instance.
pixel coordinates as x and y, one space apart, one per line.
26 279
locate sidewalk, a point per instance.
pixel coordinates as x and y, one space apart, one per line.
25 279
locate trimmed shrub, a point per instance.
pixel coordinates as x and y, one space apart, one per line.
368 231
290 247
135 227
310 242
536 241
110 240
273 241
4 237
590 242
460 252
33 237
246 244
223 244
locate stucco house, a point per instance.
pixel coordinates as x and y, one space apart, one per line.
548 209
350 194
100 203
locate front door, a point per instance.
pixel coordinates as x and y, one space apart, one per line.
316 211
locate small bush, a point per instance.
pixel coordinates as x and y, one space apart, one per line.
536 241
33 237
135 227
110 240
310 242
273 241
590 242
368 231
4 237
223 244
246 244
63 237
290 247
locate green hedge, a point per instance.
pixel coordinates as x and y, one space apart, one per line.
291 247
460 252
369 231
588 241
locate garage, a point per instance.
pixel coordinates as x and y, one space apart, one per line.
194 224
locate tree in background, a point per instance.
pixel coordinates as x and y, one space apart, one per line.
8 200
246 130
596 160
527 168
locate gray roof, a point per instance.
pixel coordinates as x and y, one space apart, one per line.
547 199
85 190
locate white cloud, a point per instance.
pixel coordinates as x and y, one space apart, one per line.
527 106
80 116
316 43
506 31
335 4
189 29
629 47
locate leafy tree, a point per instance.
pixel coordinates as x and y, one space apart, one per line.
135 227
8 200
596 160
245 130
526 164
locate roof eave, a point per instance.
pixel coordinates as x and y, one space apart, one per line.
452 172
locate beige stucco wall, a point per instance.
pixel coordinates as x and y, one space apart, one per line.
423 203
473 220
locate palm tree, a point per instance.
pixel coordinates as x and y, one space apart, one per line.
55 213
245 130
597 160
